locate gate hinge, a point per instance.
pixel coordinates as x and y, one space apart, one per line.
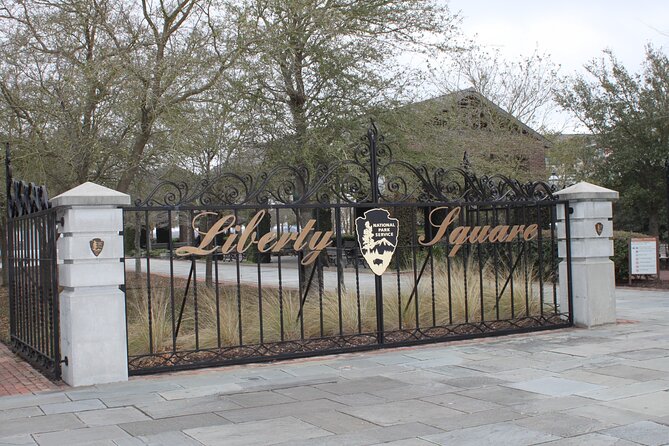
64 361
122 288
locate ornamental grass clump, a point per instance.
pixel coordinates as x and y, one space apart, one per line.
454 292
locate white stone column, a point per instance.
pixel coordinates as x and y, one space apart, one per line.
592 270
92 307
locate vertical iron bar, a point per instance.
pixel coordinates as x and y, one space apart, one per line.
478 248
260 316
553 265
527 278
278 257
495 222
570 291
511 269
217 295
340 270
300 275
414 243
541 260
372 135
279 230
170 245
239 283
147 242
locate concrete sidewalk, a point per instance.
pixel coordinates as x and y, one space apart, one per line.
607 386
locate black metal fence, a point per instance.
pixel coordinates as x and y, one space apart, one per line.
492 269
33 275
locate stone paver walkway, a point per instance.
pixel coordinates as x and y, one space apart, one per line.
18 377
607 386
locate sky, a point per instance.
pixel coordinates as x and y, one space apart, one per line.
571 32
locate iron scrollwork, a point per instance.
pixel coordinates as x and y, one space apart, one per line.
370 175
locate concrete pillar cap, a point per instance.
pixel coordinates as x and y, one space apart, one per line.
91 194
587 191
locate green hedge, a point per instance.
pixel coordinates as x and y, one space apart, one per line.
621 246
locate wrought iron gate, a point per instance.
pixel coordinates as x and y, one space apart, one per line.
33 274
245 278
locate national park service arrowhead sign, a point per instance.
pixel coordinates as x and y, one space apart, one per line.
377 236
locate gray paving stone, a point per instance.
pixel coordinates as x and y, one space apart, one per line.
154 427
357 399
132 441
72 406
408 392
552 386
455 371
280 410
311 370
466 420
304 393
265 432
131 400
644 432
461 403
400 412
589 376
371 436
168 439
361 385
15 402
198 391
80 436
660 364
133 387
437 362
44 423
523 374
606 414
336 422
473 382
354 364
190 406
635 389
502 395
561 403
491 435
21 412
407 442
416 377
563 425
590 440
17 440
255 399
643 354
629 372
117 415
391 359
655 404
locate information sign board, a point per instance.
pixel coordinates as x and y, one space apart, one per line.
643 256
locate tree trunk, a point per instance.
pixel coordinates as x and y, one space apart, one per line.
654 223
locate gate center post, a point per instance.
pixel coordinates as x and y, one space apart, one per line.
93 335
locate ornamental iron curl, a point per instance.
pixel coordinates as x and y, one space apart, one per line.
23 198
372 175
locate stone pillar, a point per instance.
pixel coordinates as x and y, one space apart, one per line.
592 270
92 307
